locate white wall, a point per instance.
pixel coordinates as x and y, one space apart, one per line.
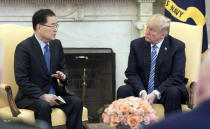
115 35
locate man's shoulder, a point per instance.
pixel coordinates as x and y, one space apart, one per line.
175 42
138 41
27 42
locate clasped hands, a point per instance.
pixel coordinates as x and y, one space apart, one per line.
149 97
50 98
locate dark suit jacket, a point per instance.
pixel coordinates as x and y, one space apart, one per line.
169 69
196 119
31 72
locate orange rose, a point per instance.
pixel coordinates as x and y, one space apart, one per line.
145 106
133 121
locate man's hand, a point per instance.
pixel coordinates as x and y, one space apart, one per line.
144 96
151 97
50 98
59 75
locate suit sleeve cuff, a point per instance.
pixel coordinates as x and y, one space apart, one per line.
141 92
158 94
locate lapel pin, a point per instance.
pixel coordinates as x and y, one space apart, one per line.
166 48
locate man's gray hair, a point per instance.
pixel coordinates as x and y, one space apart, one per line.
160 21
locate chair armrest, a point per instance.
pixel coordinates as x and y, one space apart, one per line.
191 96
15 111
66 87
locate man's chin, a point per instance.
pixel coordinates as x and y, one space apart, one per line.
146 39
53 38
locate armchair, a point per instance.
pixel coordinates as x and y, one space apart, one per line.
10 36
192 37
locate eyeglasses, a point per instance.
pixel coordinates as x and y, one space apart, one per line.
51 26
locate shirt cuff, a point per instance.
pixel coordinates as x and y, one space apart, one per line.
141 92
158 94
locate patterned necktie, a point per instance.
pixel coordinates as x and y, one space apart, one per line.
152 70
47 56
47 61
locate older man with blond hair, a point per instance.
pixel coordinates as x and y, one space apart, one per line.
156 67
199 117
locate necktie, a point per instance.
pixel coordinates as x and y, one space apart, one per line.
152 70
47 61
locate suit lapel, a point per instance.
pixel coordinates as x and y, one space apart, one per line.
161 55
147 59
52 56
39 54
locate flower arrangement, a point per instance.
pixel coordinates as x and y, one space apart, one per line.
130 111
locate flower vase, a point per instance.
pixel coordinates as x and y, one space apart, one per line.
123 127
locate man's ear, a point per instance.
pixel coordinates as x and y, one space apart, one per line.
163 36
38 27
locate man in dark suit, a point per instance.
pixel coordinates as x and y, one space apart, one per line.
199 117
39 63
156 67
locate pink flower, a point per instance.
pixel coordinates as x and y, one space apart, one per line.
146 119
106 118
114 120
124 108
120 117
153 117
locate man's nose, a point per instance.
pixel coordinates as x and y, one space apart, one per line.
56 29
147 32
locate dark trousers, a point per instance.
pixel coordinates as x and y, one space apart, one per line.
171 98
73 110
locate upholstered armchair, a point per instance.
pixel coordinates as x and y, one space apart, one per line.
10 36
192 37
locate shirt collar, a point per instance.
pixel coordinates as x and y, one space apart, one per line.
41 43
158 44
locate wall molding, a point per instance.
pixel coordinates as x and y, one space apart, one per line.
146 1
68 10
72 10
